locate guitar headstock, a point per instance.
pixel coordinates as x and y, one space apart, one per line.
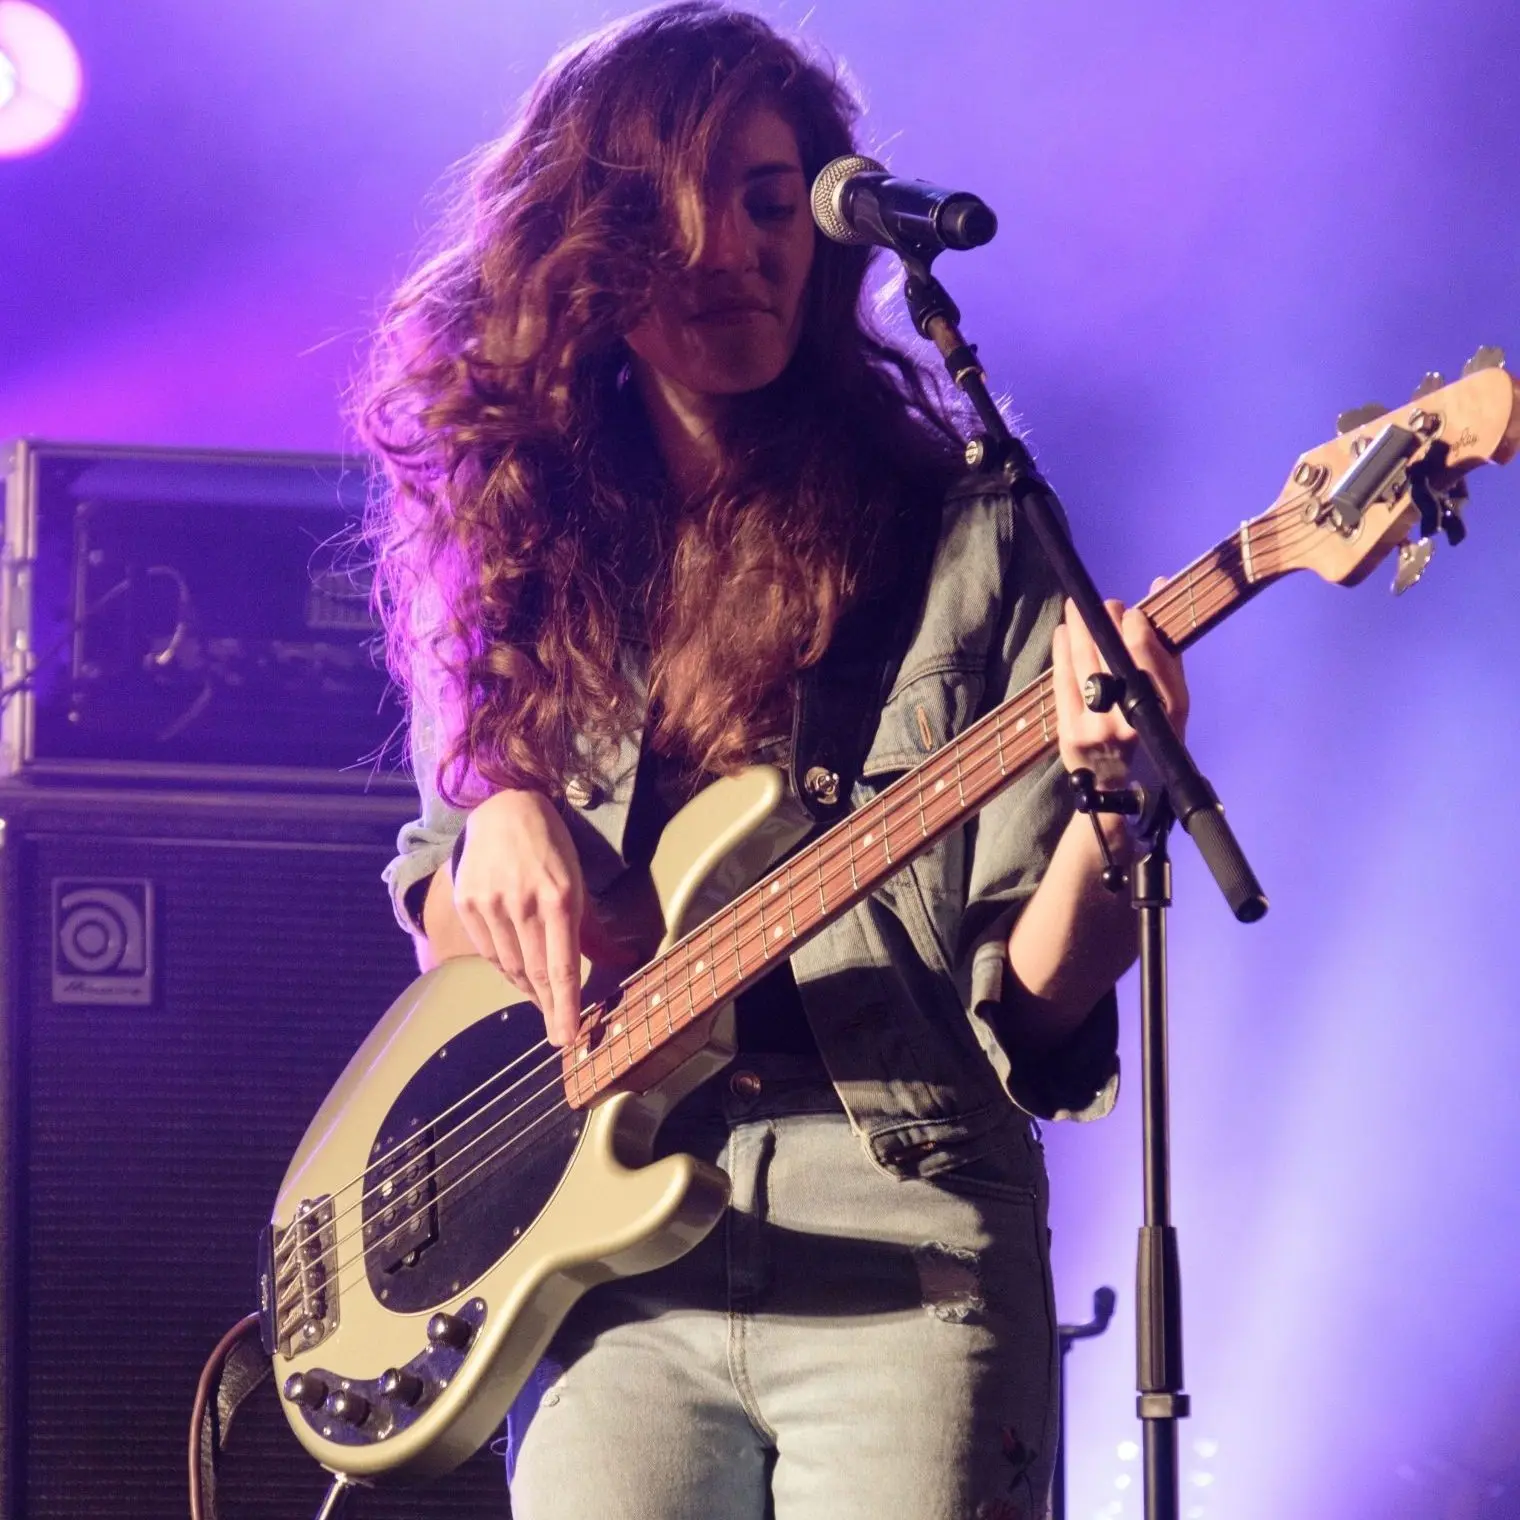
1392 480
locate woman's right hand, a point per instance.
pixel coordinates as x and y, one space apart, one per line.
519 895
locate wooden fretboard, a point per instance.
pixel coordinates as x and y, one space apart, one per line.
744 940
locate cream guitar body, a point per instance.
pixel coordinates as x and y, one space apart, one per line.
464 1183
447 1207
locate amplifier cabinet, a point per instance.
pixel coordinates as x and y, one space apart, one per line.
179 613
183 977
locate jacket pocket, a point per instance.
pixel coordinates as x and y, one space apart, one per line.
921 716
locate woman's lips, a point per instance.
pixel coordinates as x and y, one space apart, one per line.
737 311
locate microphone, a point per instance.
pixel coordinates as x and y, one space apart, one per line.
855 200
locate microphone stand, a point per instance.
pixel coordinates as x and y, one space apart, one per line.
1185 795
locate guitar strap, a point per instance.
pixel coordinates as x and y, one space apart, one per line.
245 1368
839 700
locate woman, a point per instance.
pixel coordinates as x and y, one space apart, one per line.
647 463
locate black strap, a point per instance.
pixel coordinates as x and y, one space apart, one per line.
839 700
244 1369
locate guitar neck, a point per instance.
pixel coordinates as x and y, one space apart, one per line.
760 928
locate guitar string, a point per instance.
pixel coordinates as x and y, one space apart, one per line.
1172 594
283 1258
1167 598
1034 696
598 1016
1211 606
397 1149
360 1261
1281 515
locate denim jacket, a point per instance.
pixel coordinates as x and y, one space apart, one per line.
900 991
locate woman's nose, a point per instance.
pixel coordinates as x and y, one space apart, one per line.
728 241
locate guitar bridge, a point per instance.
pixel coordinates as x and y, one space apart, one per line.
301 1288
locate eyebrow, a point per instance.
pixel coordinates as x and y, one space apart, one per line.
764 171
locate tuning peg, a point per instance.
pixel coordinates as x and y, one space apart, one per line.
1349 421
1440 510
1486 357
1429 503
1433 381
1414 555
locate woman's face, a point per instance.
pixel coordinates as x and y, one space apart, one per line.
730 323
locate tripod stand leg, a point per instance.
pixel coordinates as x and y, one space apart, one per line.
337 1497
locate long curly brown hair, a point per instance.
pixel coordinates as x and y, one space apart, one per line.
540 583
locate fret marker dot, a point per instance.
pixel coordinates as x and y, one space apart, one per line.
939 785
1021 725
582 1053
775 888
654 998
776 932
700 966
616 1029
867 839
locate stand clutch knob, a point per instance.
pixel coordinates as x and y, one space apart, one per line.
1101 691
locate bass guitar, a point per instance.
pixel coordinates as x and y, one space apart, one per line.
465 1182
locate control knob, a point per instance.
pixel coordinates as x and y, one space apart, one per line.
346 1405
450 1330
404 1387
305 1389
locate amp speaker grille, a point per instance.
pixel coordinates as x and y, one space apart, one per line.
149 1139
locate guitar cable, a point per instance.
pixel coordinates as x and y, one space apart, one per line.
200 1408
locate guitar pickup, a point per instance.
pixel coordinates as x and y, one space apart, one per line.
400 1203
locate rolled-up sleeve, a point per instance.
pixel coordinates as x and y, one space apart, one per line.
424 843
1011 845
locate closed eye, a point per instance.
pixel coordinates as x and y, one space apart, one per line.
772 211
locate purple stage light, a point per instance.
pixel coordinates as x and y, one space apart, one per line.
40 78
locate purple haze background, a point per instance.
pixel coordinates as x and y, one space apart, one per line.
1220 226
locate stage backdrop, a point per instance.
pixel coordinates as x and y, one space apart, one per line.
1220 226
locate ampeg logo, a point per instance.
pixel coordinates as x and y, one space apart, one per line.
102 941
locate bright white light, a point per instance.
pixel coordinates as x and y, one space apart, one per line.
1200 1479
1205 1448
1196 1512
1128 1450
1123 1480
39 90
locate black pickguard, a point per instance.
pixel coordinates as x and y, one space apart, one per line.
465 1160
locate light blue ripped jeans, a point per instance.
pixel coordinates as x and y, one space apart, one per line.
843 1345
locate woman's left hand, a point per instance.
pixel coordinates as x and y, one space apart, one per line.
1104 742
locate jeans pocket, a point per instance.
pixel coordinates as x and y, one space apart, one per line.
987 1177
